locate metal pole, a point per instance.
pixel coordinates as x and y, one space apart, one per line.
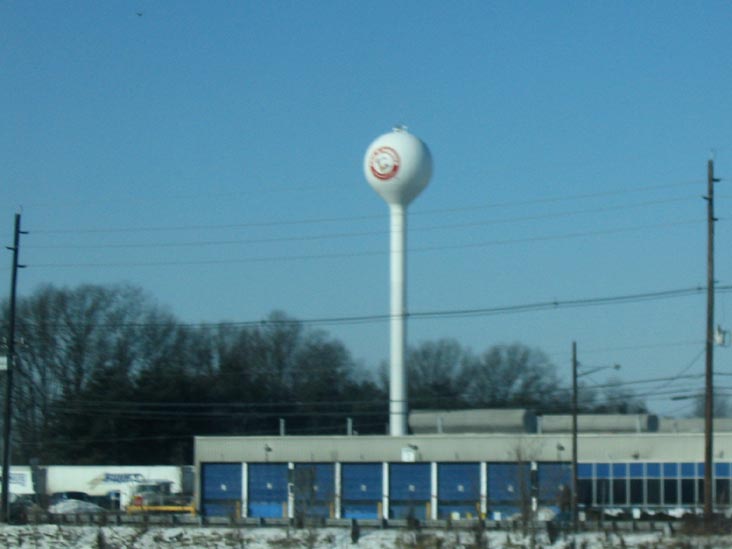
709 370
574 437
9 375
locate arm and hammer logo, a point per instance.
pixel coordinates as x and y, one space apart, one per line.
384 163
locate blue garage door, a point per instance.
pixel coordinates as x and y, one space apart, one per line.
314 490
509 489
555 485
267 495
221 489
409 490
361 485
458 490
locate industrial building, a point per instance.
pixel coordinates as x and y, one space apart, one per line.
466 464
491 464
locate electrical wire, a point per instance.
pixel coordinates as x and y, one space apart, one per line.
290 408
416 212
449 313
335 236
369 253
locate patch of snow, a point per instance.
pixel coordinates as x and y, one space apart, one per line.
74 506
91 537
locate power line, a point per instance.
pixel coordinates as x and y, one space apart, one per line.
416 212
358 234
449 313
342 255
296 408
574 303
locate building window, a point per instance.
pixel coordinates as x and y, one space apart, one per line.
722 486
653 487
636 491
584 492
687 491
602 495
670 491
620 491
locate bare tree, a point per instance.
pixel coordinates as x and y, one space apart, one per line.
615 397
69 336
513 376
436 370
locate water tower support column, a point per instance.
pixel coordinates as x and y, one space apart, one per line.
398 385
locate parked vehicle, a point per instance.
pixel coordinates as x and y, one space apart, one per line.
58 497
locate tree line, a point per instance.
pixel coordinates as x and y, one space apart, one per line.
105 375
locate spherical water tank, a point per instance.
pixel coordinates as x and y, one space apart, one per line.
398 166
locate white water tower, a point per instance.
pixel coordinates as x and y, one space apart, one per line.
398 166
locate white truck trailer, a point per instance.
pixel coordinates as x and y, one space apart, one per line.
114 484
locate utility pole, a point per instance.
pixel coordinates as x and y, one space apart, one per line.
709 370
9 373
573 502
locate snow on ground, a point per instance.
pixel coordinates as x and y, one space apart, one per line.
126 537
69 506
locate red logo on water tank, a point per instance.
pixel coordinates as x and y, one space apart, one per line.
384 163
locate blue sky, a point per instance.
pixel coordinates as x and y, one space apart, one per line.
211 153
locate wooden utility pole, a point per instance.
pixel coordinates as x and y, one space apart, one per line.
9 374
709 370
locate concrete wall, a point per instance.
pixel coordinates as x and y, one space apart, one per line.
503 447
485 448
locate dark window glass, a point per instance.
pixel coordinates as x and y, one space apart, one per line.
700 490
687 491
602 495
584 492
722 485
620 492
636 491
653 487
670 492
